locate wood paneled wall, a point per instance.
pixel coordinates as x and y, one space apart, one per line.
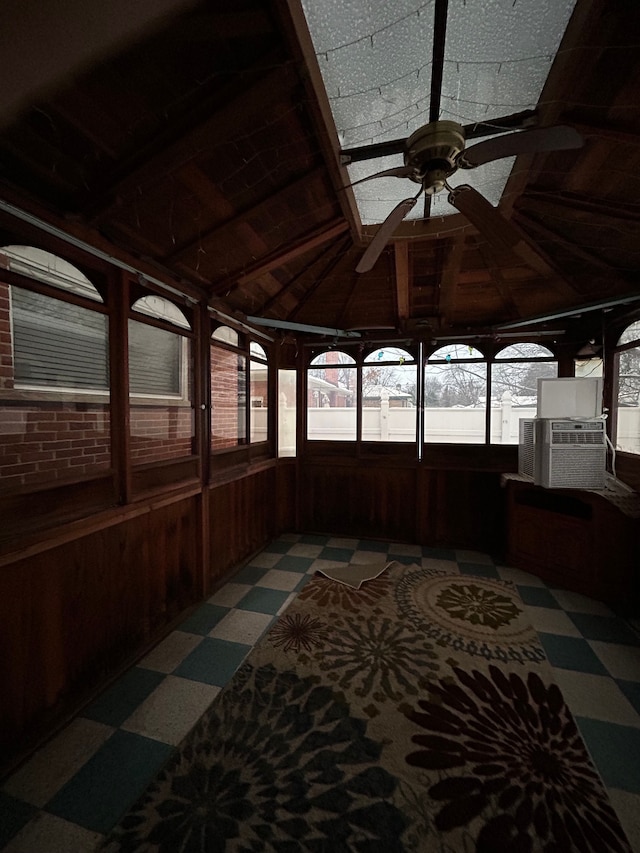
71 615
76 610
452 498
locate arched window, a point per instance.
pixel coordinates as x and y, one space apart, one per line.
332 397
239 390
228 390
258 392
455 395
54 371
627 368
514 387
389 389
160 381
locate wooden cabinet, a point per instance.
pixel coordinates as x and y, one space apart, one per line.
584 541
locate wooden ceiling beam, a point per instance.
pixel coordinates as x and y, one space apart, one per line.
281 256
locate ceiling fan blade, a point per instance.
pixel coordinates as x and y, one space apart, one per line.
384 232
396 172
504 236
526 142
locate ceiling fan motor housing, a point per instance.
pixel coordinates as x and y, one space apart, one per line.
431 152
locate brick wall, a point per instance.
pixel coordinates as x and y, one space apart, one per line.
160 432
43 441
224 396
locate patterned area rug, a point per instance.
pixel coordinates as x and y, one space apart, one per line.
417 713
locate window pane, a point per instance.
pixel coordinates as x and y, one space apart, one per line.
456 352
389 402
161 309
227 335
56 344
258 412
154 360
628 430
43 266
455 401
60 430
389 354
332 398
228 399
160 389
514 393
631 333
287 396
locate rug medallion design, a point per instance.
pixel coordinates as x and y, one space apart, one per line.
416 715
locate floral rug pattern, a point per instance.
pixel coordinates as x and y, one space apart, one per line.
362 722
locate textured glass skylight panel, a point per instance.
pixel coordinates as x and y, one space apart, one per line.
375 60
497 62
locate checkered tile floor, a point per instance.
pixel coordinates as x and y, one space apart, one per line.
76 788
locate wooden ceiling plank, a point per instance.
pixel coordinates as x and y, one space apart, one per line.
282 255
332 263
500 284
601 207
401 254
448 290
160 158
215 201
548 234
291 283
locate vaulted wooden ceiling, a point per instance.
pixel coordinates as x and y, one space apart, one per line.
195 141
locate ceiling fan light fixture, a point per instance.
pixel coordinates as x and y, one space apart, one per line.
434 148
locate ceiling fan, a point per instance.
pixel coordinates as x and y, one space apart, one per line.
434 152
437 149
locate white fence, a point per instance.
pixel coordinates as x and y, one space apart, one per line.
452 425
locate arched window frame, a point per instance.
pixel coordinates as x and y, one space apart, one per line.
251 427
626 418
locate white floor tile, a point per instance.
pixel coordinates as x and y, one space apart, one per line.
284 581
241 626
517 576
46 833
304 549
266 560
230 594
621 661
170 653
627 808
596 696
577 603
171 710
552 621
53 765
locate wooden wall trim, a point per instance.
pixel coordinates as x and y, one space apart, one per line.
47 540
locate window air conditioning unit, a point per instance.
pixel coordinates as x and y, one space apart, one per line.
570 454
526 446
